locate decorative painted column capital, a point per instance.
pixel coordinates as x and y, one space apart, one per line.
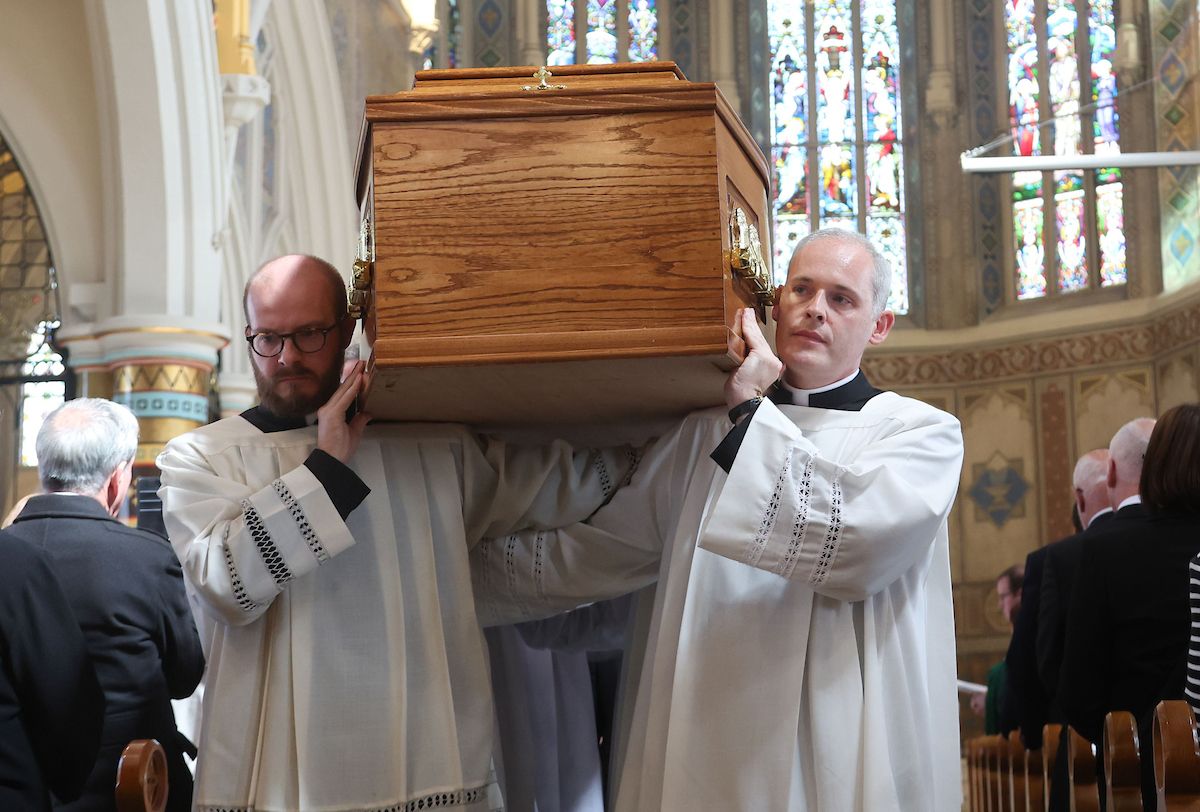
939 98
160 368
1128 58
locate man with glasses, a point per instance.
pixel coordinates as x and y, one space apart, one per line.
347 669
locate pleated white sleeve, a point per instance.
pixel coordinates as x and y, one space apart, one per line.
847 526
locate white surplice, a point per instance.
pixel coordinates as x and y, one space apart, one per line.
346 666
800 650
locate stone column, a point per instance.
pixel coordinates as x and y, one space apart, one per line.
724 67
162 371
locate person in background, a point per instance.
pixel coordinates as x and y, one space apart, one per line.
125 587
1128 628
51 706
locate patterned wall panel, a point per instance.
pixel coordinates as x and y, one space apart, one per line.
1057 456
1175 57
1177 380
689 20
1108 400
493 29
998 494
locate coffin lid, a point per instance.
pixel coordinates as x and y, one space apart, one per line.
480 93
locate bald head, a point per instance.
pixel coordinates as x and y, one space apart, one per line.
1091 484
301 271
1126 453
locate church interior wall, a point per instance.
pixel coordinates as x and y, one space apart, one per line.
49 117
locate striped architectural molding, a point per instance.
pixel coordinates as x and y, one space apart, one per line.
1158 334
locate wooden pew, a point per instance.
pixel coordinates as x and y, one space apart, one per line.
142 777
1015 776
1176 761
1051 734
1035 797
1081 773
1122 766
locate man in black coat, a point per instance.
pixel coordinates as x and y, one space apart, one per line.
125 587
51 707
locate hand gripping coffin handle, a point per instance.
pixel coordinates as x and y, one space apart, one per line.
746 258
358 292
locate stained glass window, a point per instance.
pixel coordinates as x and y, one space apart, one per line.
1060 71
615 31
835 114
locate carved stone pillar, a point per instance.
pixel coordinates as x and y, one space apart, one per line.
160 368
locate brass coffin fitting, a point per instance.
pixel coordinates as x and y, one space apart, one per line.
746 259
542 74
358 292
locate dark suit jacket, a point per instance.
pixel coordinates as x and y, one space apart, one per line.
126 590
1027 702
1059 566
1127 632
51 706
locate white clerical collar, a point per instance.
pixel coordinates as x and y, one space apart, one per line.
800 396
1097 515
1136 499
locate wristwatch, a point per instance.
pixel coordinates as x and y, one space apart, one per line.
744 408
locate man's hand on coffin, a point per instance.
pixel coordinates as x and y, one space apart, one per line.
759 368
335 436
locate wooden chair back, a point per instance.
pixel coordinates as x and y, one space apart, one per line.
1051 735
142 777
1081 773
1035 796
1176 762
1122 765
1016 772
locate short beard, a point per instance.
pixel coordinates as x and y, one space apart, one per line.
296 406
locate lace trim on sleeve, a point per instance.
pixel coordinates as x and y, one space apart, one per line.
539 550
633 456
767 523
606 484
833 536
271 556
800 523
235 580
306 531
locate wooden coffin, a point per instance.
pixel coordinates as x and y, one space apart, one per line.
562 248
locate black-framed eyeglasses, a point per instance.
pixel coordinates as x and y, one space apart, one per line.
310 339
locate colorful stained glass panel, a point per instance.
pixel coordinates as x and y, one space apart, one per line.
838 190
789 74
789 230
880 71
1072 244
560 32
834 71
885 178
1023 92
1103 37
1110 221
1027 234
1061 23
791 170
602 31
643 31
887 234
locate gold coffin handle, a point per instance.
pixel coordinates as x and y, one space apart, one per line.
746 258
358 292
542 74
